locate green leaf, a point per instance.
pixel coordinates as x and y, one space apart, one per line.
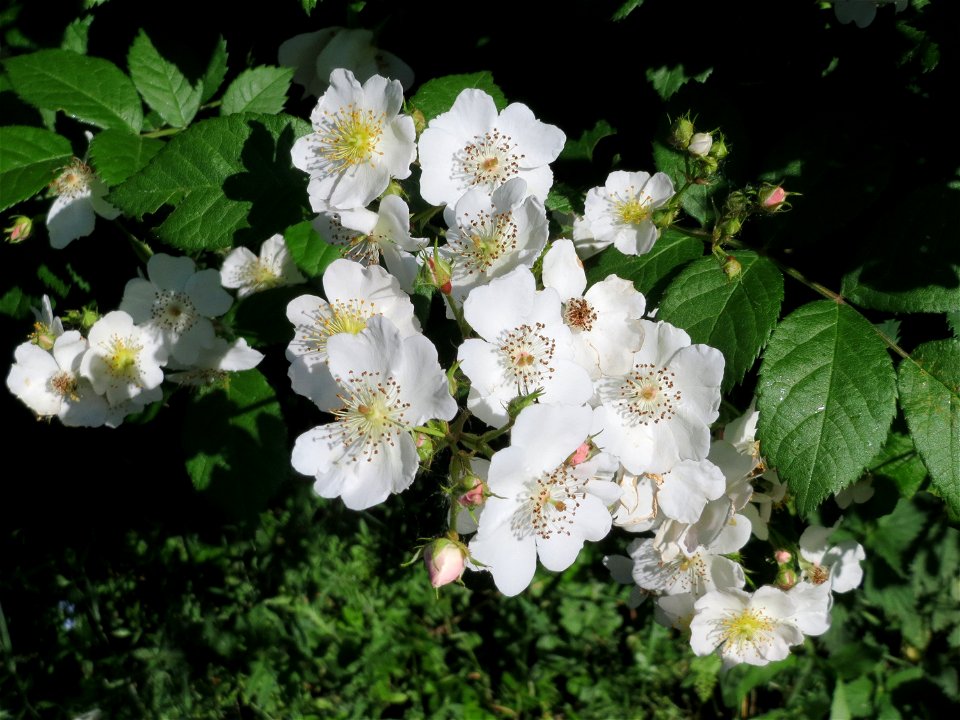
16 304
839 710
75 35
229 179
216 71
91 89
582 149
651 272
29 157
912 262
308 5
894 535
930 397
438 95
162 85
118 154
558 202
310 252
697 201
628 7
235 442
667 81
826 397
261 89
736 316
899 461
953 320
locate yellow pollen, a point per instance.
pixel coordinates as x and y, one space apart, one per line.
632 211
122 359
747 628
524 359
74 179
489 164
351 137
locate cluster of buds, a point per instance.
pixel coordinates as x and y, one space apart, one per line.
706 149
741 204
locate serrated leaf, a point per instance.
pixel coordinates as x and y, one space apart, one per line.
583 147
75 35
953 320
826 397
162 85
16 304
558 202
216 71
697 201
229 179
930 398
651 272
900 462
91 89
261 89
736 316
895 533
912 262
308 5
118 154
235 442
667 81
310 252
438 95
29 157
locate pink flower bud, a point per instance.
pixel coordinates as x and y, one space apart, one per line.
21 229
772 198
783 557
474 496
580 454
444 560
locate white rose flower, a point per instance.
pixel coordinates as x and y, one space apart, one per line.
123 360
248 274
621 212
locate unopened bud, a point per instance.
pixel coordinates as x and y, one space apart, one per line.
772 198
663 217
21 229
708 166
786 578
516 406
394 188
425 448
419 121
783 556
731 227
681 132
732 267
445 560
581 454
718 150
437 272
474 496
700 144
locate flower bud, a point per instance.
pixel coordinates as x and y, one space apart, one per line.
425 448
718 150
783 556
21 229
663 217
708 166
419 121
772 198
731 227
436 272
474 496
681 132
700 144
786 578
732 267
445 561
516 406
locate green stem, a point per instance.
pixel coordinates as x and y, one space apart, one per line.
457 311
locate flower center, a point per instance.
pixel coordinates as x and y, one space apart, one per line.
342 316
257 275
350 137
749 628
173 311
372 413
526 355
481 241
632 211
122 359
648 394
64 384
578 314
550 505
73 180
489 160
818 574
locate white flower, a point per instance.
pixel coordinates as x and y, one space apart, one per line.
474 146
838 566
176 303
755 629
388 385
49 383
123 360
387 233
660 412
490 235
79 200
359 141
813 603
700 144
315 55
524 346
220 358
247 273
354 295
621 212
539 503
604 321
860 492
47 327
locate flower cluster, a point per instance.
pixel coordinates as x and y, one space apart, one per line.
165 320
